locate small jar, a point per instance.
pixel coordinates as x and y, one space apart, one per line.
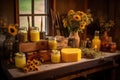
23 35
20 60
113 47
52 43
55 57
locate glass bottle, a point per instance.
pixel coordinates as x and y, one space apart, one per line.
96 42
20 60
88 43
34 34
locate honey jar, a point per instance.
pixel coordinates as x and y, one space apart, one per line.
55 56
20 60
52 43
34 34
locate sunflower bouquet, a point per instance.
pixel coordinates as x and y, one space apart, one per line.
105 25
77 20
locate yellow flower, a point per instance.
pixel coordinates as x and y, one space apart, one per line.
76 17
71 12
80 13
64 23
85 18
12 30
82 26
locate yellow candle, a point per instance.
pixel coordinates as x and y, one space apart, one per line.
55 57
34 35
20 60
71 54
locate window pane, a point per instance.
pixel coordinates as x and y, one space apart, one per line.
24 21
25 6
38 22
39 6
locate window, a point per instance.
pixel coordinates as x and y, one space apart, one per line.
37 10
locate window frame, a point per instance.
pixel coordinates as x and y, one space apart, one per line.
33 15
51 5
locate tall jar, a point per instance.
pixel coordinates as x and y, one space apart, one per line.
52 43
20 60
34 34
23 35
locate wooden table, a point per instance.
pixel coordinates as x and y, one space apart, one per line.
61 71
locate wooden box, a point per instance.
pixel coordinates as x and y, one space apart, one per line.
33 46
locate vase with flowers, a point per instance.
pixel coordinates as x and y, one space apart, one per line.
105 27
9 31
76 22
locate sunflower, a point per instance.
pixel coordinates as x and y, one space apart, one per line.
64 23
12 30
85 18
71 12
76 17
83 24
80 13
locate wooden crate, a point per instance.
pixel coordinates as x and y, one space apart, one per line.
33 46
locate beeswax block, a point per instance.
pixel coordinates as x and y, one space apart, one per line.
71 54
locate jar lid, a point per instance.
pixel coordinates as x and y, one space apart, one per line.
20 54
55 52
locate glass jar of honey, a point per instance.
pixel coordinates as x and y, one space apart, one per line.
34 34
55 56
20 60
52 43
